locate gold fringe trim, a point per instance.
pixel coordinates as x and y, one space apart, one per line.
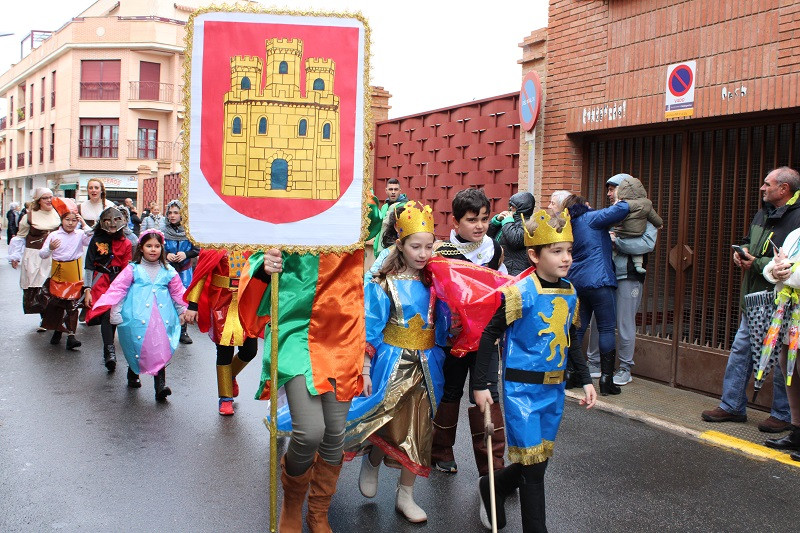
531 455
368 131
513 303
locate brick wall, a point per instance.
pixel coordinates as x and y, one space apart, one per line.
437 153
614 55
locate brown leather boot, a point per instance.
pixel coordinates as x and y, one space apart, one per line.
320 492
476 426
445 424
294 493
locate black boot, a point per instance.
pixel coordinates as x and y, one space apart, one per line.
185 338
133 379
56 338
110 357
532 506
160 384
788 442
72 342
607 361
505 482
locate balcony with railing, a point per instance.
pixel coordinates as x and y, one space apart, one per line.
152 91
21 114
97 90
151 149
2 164
21 160
3 123
98 148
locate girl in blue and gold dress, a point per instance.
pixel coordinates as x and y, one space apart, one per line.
536 315
403 377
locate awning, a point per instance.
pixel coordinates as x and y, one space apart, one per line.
68 186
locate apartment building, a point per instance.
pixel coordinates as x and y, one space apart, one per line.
102 97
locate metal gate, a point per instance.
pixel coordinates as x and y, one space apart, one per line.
704 182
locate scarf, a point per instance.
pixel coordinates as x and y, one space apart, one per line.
173 232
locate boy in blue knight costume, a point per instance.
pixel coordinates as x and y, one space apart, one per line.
537 312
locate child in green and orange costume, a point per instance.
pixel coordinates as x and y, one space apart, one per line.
320 359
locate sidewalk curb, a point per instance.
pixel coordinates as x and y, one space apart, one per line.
714 438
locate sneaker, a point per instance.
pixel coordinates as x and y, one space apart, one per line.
718 414
622 376
448 467
774 425
226 406
594 371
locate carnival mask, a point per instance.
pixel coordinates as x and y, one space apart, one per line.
112 220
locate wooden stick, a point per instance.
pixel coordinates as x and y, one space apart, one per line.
273 406
488 432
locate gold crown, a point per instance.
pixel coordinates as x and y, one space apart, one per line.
545 233
414 219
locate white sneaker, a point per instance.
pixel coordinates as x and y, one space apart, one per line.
368 478
405 505
594 371
622 376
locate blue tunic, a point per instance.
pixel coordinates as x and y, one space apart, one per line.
184 268
536 340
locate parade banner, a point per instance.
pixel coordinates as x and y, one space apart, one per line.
275 155
276 107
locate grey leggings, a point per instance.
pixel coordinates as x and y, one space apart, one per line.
317 426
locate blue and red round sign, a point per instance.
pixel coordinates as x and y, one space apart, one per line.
530 100
680 80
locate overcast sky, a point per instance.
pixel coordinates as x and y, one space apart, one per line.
427 54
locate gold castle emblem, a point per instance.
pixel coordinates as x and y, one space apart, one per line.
277 142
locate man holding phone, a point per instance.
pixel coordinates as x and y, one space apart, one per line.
779 215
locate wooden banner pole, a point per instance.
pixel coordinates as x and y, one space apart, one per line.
273 406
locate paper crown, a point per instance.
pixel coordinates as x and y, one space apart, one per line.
414 219
545 233
64 206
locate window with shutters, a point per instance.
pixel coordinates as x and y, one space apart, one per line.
100 79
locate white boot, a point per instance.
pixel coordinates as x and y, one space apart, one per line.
406 506
368 478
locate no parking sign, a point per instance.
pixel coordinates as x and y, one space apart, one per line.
680 90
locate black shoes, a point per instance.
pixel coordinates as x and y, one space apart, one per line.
56 338
110 357
607 385
185 338
160 384
505 482
789 442
72 342
133 379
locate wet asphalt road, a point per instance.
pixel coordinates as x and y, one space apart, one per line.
79 451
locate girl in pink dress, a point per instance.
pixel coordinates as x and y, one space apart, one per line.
146 301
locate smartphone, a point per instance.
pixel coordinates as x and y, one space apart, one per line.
739 250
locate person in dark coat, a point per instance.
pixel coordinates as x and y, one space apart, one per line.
13 220
506 229
595 279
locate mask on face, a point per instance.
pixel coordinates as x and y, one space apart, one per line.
112 220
